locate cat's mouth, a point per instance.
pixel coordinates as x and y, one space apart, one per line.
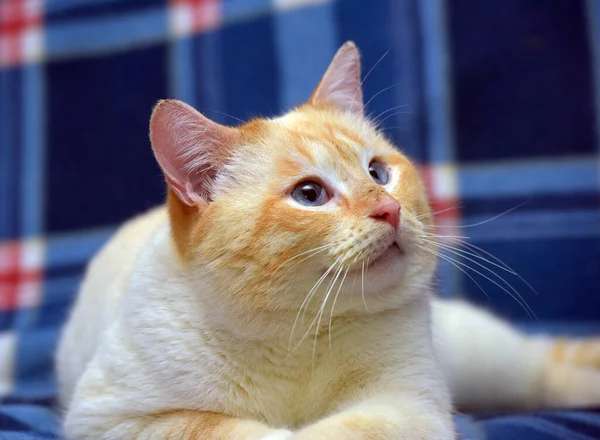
393 251
381 259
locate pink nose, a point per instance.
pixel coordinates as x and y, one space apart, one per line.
388 211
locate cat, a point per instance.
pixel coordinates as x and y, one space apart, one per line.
284 292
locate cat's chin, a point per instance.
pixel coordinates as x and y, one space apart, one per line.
391 256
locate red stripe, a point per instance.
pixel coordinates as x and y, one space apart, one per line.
13 276
15 22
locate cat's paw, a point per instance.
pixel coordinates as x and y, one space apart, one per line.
375 428
573 373
579 352
282 434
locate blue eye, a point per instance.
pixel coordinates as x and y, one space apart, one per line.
378 173
310 193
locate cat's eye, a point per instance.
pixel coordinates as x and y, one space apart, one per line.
378 173
310 193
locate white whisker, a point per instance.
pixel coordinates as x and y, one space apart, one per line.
514 294
320 314
334 301
363 287
449 260
307 298
478 223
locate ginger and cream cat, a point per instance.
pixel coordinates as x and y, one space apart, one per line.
284 292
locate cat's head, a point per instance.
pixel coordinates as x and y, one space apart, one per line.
317 197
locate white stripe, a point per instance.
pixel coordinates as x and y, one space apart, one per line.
7 362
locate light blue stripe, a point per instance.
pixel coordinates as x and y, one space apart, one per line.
235 10
75 248
437 83
533 225
209 69
593 15
106 34
303 51
61 291
182 84
448 279
43 419
32 157
527 178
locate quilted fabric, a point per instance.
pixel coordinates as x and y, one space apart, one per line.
496 99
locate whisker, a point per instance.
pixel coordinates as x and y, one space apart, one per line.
475 253
478 223
353 286
391 109
363 287
379 93
499 261
320 314
328 288
391 115
366 275
307 298
449 260
226 114
373 68
465 254
334 301
321 248
514 294
432 214
458 238
313 252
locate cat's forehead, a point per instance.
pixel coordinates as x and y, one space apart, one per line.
323 139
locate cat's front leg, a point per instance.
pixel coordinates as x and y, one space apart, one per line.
384 417
174 425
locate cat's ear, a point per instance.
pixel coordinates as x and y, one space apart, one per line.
190 148
341 86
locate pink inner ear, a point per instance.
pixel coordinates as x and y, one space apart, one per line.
190 149
341 84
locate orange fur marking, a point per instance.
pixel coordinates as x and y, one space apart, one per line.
182 217
583 352
198 425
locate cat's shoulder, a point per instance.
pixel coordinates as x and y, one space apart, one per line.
130 237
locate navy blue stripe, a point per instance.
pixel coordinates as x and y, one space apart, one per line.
65 271
250 68
554 202
95 9
12 148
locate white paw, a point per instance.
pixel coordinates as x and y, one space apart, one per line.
283 434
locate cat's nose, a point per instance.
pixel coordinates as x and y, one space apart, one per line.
388 211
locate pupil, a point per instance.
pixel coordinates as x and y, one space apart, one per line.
374 173
310 193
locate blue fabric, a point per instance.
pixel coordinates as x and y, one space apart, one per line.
498 100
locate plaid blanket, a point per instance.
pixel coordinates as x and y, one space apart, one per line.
497 99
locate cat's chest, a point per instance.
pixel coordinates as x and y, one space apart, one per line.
289 397
288 392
